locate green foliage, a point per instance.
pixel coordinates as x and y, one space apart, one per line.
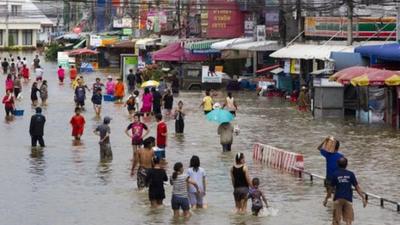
51 51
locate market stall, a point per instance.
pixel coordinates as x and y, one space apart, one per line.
86 60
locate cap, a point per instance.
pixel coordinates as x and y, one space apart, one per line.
109 77
107 119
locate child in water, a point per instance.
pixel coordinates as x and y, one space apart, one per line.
78 124
256 195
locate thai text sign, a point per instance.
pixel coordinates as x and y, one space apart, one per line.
224 19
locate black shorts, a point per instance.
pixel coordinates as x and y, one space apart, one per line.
240 193
206 112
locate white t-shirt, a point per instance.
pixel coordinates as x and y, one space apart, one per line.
196 176
39 72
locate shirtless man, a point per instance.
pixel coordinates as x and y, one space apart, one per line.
144 158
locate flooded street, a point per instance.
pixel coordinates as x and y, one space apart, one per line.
66 184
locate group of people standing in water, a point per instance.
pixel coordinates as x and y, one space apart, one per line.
149 162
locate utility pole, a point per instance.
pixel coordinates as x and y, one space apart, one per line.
398 22
7 17
178 14
299 19
350 7
282 23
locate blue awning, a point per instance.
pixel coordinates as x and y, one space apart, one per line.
389 52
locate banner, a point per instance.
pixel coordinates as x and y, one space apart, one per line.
363 27
249 24
225 20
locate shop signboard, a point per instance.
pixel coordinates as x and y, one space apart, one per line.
295 66
249 25
95 40
122 23
225 20
363 27
260 33
128 61
207 77
127 31
63 59
272 21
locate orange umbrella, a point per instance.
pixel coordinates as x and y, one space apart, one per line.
377 78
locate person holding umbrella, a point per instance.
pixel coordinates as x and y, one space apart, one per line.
225 129
225 132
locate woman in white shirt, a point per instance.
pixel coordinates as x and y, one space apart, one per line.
198 175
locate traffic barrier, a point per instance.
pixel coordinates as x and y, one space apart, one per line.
301 172
278 158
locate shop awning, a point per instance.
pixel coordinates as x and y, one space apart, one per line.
322 71
80 44
201 45
82 51
277 70
389 52
124 44
226 45
308 51
142 43
268 68
175 52
257 46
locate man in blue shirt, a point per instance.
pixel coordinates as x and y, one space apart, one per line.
331 164
343 180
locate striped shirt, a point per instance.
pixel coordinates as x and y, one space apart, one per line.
180 186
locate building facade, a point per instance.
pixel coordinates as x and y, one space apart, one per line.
20 23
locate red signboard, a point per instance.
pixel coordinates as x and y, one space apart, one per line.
224 19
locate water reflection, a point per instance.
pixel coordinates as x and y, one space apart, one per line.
37 167
104 172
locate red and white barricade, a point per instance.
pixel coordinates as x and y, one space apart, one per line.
278 158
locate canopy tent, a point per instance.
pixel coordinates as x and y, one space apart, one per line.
82 51
256 46
389 52
227 44
309 51
176 52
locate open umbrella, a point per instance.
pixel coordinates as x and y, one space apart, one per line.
150 83
377 78
344 76
220 116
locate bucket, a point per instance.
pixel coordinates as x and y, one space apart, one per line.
109 98
18 112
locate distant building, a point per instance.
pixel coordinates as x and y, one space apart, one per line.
20 23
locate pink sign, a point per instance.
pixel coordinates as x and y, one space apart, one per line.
224 19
